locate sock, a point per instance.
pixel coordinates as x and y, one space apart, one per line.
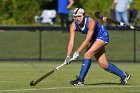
84 69
115 70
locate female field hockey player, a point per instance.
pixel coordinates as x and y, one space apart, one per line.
96 39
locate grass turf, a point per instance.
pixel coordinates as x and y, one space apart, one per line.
15 78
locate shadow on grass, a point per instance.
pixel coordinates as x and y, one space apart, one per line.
104 83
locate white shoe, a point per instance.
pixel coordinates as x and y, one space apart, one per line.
124 81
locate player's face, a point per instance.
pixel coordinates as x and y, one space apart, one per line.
78 18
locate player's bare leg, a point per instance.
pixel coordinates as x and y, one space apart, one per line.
87 62
98 50
102 60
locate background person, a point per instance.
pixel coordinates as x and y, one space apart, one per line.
63 11
95 41
121 10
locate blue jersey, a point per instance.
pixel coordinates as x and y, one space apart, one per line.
100 31
62 6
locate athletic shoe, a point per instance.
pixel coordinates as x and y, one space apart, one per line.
124 81
77 82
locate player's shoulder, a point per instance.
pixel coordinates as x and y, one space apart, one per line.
91 20
72 26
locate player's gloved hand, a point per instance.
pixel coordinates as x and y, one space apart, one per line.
67 60
75 56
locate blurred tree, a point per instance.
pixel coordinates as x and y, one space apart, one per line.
23 11
48 4
18 11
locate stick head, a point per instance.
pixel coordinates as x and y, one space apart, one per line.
32 83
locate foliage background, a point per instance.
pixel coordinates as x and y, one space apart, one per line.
13 12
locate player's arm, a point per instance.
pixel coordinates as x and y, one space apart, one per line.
71 39
89 35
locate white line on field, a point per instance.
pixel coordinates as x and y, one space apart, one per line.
7 81
56 88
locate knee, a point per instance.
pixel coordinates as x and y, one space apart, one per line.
104 65
87 55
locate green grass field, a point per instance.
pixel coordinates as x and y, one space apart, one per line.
15 78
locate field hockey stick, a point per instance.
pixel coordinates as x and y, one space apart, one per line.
106 19
33 83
